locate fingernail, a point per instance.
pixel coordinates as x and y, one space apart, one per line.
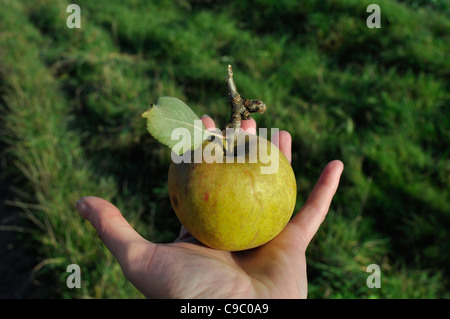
248 130
205 115
82 207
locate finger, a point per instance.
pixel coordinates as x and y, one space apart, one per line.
183 234
312 214
208 122
249 126
112 228
283 140
186 237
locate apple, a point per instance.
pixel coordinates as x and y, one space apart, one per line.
234 201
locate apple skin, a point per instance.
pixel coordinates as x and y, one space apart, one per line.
233 206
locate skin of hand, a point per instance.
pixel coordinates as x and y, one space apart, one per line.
188 269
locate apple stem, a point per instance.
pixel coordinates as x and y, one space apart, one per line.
241 109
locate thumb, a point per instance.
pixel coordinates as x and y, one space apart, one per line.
112 228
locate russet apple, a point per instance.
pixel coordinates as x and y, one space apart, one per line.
238 201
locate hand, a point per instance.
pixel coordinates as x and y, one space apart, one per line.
188 269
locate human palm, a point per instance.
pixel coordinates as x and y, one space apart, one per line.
188 269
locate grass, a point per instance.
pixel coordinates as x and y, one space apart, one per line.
377 99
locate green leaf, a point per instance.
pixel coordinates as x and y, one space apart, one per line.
174 124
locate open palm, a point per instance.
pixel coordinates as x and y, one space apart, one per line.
188 269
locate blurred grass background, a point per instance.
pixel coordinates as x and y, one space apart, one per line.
378 99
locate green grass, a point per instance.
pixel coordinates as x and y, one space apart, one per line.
71 99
